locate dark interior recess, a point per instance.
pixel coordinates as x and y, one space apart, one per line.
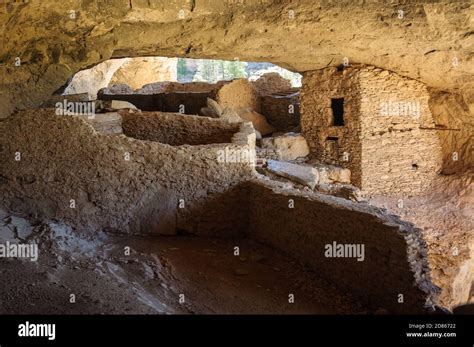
337 106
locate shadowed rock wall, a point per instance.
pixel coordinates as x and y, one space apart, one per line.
394 252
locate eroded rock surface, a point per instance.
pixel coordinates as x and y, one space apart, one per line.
425 40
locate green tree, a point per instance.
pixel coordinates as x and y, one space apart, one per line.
234 69
206 71
215 70
182 69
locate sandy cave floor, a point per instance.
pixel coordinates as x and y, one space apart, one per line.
159 269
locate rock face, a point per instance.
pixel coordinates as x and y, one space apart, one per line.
138 72
290 146
425 40
259 121
455 121
91 80
132 72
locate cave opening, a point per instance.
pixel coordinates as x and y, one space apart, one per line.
181 85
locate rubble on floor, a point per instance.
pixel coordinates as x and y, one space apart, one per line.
305 175
229 114
331 173
259 121
213 109
235 115
290 146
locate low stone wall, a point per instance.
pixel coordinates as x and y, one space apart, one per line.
281 111
303 224
59 167
143 102
190 87
165 87
183 102
187 98
176 129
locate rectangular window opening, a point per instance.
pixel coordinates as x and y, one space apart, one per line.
337 106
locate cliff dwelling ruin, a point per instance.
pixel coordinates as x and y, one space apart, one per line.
205 157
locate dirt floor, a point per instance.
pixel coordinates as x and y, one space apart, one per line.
155 274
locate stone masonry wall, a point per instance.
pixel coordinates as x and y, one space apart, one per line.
276 109
401 151
176 129
343 147
187 102
388 141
